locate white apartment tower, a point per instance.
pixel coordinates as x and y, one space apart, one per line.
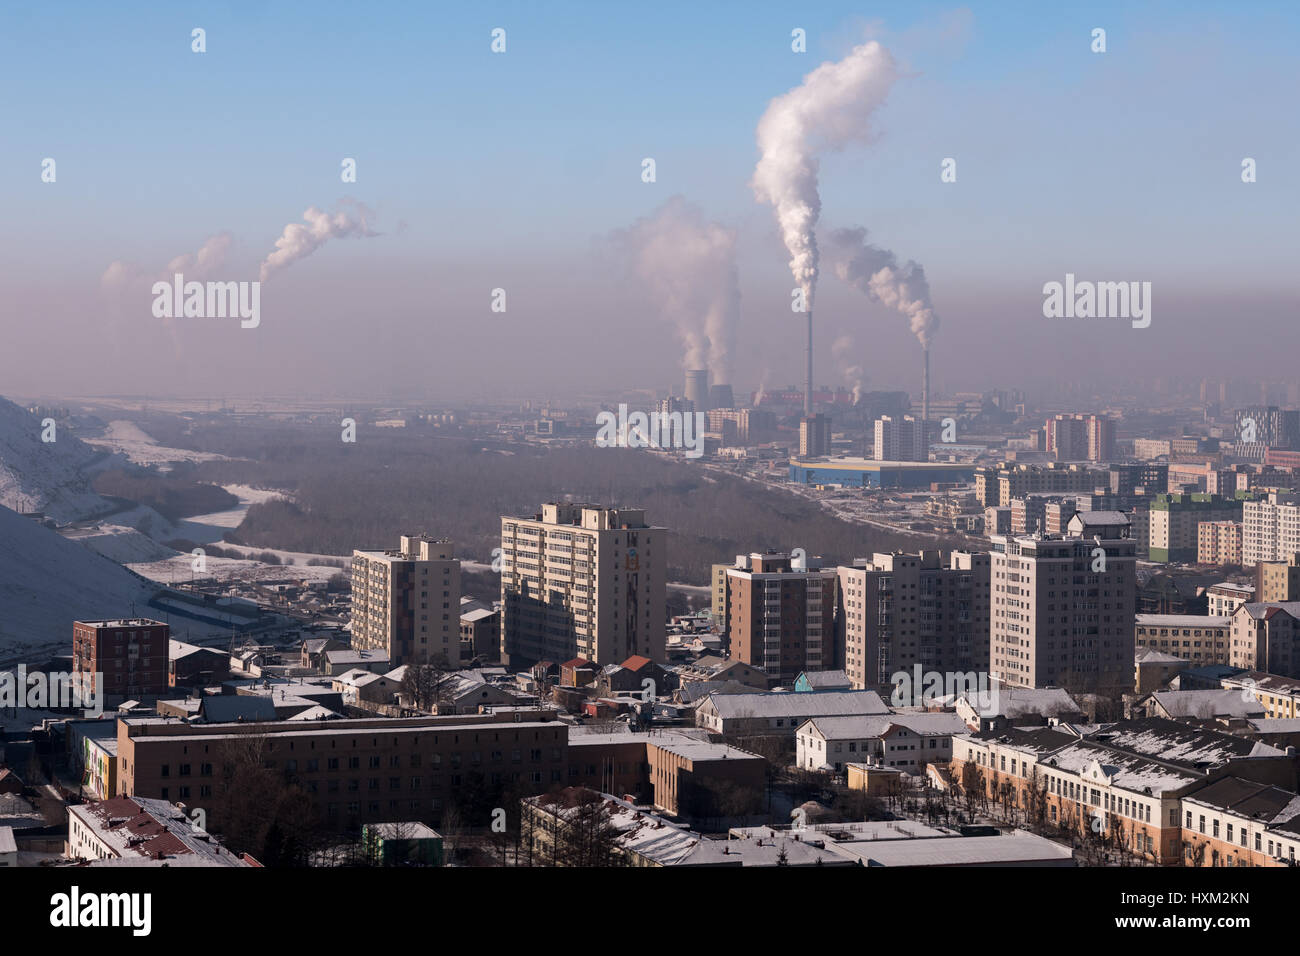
580 580
407 602
1270 528
1062 607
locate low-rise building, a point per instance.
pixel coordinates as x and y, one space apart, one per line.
1198 638
905 741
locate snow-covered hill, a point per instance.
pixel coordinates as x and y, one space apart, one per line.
47 582
53 477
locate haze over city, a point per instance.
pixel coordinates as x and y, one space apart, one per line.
478 171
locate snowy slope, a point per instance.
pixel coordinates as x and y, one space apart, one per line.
53 477
47 582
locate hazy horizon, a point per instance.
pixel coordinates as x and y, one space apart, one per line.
478 171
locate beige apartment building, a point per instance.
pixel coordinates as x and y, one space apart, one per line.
407 602
1062 608
781 613
1199 638
581 580
1270 528
900 610
1278 580
1263 638
1218 543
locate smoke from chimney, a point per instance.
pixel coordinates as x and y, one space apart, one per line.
688 266
830 109
298 241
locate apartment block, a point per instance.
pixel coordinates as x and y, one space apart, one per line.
1080 437
1046 514
1062 608
1263 638
407 602
1218 543
355 771
130 654
781 613
1130 478
997 485
581 580
1201 639
1270 528
814 436
902 439
1175 519
900 610
1278 580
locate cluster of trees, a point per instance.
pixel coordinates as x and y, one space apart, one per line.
173 496
366 494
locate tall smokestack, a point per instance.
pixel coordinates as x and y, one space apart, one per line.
925 386
807 379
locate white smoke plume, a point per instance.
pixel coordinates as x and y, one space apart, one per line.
200 266
299 241
687 265
842 350
831 109
877 273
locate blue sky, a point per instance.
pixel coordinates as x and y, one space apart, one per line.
489 170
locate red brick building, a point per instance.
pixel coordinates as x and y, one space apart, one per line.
130 655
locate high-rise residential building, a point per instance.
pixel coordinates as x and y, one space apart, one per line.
1062 608
902 439
718 596
897 611
781 613
1174 522
1270 528
407 602
1278 581
1218 543
582 580
130 655
814 436
1080 437
1269 425
1152 477
752 426
1045 514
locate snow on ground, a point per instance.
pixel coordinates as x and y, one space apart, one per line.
179 569
54 476
47 582
208 528
141 448
119 543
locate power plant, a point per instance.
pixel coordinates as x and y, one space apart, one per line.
697 388
720 396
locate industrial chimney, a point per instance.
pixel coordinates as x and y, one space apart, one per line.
697 388
925 385
807 381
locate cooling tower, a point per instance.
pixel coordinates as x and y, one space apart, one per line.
697 388
720 397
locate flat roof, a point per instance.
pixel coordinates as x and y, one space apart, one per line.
1007 848
872 464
